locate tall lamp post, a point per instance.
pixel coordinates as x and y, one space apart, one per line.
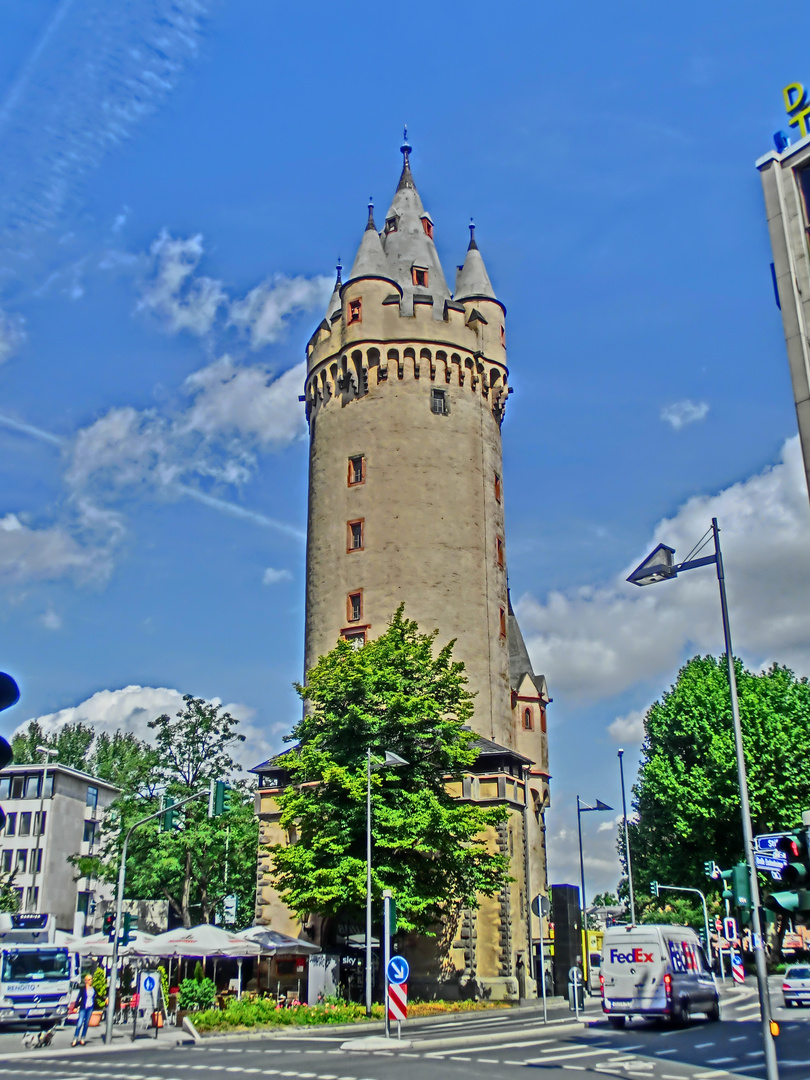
392 761
659 566
583 808
627 843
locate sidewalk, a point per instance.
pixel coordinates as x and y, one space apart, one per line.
11 1042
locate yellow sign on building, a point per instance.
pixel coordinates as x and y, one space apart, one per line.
796 106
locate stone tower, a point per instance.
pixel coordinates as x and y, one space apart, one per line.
405 395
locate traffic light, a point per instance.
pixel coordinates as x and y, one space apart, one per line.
109 926
712 869
654 888
797 848
738 888
171 817
9 695
220 799
126 935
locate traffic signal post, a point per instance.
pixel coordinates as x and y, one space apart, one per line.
9 695
163 812
795 846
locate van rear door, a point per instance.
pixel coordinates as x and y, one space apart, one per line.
633 967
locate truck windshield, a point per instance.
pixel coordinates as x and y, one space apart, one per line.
37 965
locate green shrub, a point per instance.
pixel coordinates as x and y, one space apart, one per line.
100 986
196 994
199 972
264 1012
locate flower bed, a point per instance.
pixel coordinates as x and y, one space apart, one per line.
242 1015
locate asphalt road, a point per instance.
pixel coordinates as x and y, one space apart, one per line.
485 1046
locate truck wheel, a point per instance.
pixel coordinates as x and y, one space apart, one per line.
617 1022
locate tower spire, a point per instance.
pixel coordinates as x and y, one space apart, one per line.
406 180
473 246
370 223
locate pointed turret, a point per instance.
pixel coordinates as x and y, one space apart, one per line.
334 300
472 279
370 261
413 261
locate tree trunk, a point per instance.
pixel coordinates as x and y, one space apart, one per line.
187 891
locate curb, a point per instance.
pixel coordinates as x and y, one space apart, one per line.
97 1048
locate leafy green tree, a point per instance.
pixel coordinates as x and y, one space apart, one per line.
72 743
9 895
392 693
605 899
687 794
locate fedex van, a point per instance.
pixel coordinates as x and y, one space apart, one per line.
656 970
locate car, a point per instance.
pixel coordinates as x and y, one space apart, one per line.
796 985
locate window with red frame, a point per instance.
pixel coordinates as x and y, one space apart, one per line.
354 606
355 311
354 540
502 622
499 551
497 488
419 276
427 225
357 470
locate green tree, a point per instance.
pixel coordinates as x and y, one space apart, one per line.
9 895
605 899
72 743
687 794
392 693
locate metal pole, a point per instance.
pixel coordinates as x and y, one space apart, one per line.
584 942
368 882
527 871
387 953
771 1065
543 968
627 843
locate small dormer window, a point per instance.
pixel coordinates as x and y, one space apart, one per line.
420 276
390 225
427 225
355 311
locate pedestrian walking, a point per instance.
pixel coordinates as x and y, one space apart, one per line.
86 1002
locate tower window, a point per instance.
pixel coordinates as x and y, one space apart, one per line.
420 276
499 551
543 720
503 335
355 537
355 311
390 225
528 722
354 606
357 470
439 402
502 622
355 638
427 225
497 487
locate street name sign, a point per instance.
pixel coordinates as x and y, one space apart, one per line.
768 857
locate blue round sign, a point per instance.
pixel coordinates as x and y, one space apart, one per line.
149 983
398 969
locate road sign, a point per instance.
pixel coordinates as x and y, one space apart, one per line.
149 983
540 906
737 969
767 855
397 1000
398 970
730 929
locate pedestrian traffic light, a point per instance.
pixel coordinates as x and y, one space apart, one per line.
127 932
654 888
109 926
9 695
712 869
219 801
796 846
171 817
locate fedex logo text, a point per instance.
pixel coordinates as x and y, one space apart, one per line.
634 956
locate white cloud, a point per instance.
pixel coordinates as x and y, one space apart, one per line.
181 300
609 826
12 334
681 413
629 728
262 313
51 620
595 642
272 577
82 552
132 707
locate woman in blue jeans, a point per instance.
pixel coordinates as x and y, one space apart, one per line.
86 1002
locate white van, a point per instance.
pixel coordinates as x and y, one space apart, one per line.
655 970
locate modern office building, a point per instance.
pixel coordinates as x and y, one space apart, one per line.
405 394
786 184
53 812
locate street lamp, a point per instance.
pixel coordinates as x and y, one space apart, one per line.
658 566
583 808
393 761
627 843
49 752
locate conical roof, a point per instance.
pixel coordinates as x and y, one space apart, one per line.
370 260
472 278
334 300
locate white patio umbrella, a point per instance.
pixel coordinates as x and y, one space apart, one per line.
100 945
205 940
277 944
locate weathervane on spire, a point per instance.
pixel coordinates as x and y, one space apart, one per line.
339 269
406 147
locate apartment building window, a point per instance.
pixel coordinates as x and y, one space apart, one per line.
354 606
354 540
38 854
355 311
357 470
33 785
92 797
528 722
18 890
89 832
17 787
439 402
22 860
6 861
39 826
47 791
25 823
33 898
499 551
11 824
83 903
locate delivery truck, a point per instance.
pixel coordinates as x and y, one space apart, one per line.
656 971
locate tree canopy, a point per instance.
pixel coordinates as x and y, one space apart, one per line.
392 693
687 794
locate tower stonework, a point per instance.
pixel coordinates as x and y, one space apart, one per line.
405 395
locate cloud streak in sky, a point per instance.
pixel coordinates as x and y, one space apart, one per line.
682 413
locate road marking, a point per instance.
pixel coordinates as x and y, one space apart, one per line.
738 1038
659 1053
579 1068
563 1057
720 1061
487 1061
702 1046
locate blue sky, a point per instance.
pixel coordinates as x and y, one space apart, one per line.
179 179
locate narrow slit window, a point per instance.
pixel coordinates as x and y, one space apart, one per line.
357 470
528 722
355 537
502 622
420 276
503 335
354 606
497 488
543 720
355 311
499 551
